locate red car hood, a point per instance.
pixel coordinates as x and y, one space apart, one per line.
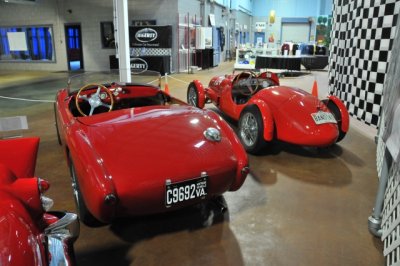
143 146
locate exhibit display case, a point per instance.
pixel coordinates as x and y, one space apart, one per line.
246 58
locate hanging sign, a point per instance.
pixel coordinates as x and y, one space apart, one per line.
260 26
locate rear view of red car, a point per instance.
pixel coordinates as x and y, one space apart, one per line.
266 110
134 150
30 233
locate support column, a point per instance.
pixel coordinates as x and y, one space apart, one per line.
122 37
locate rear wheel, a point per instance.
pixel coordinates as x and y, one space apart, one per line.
84 214
336 112
251 130
193 95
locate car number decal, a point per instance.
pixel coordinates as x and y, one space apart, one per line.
323 118
185 191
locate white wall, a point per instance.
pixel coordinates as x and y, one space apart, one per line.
88 13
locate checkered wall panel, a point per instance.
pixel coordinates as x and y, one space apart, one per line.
361 42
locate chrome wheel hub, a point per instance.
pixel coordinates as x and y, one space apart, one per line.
249 129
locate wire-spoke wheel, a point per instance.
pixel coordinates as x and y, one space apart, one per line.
193 95
251 128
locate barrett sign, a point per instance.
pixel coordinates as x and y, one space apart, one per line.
138 65
150 36
146 35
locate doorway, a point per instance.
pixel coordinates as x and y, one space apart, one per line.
73 36
259 39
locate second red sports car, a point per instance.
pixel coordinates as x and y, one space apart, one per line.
266 111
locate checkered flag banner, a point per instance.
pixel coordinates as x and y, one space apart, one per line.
361 43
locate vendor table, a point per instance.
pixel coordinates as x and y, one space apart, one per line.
292 62
315 62
278 62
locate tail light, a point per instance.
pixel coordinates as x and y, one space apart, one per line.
110 199
245 171
43 185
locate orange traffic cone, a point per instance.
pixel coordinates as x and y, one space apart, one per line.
166 88
314 90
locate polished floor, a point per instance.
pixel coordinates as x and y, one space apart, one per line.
299 206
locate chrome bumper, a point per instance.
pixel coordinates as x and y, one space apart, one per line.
60 237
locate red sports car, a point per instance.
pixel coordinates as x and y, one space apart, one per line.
266 111
134 150
30 234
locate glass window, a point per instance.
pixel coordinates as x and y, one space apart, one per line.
26 43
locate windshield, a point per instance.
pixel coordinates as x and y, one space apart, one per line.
78 81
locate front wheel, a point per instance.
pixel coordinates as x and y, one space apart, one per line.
193 95
84 214
251 129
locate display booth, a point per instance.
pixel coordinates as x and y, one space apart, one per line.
150 49
293 55
278 62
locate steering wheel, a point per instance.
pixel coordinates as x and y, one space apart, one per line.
95 99
244 85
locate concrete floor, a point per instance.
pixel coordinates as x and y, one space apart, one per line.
299 206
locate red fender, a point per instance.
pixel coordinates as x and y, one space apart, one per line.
98 183
202 93
241 155
343 112
20 155
267 118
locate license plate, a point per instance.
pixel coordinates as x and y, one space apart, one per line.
323 118
179 192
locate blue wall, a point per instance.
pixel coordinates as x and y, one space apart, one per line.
283 8
243 5
292 8
223 2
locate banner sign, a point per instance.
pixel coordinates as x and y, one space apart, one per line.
138 65
150 36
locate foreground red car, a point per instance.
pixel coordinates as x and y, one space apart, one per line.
134 150
266 111
30 234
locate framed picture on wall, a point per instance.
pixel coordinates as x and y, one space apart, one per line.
30 43
107 34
